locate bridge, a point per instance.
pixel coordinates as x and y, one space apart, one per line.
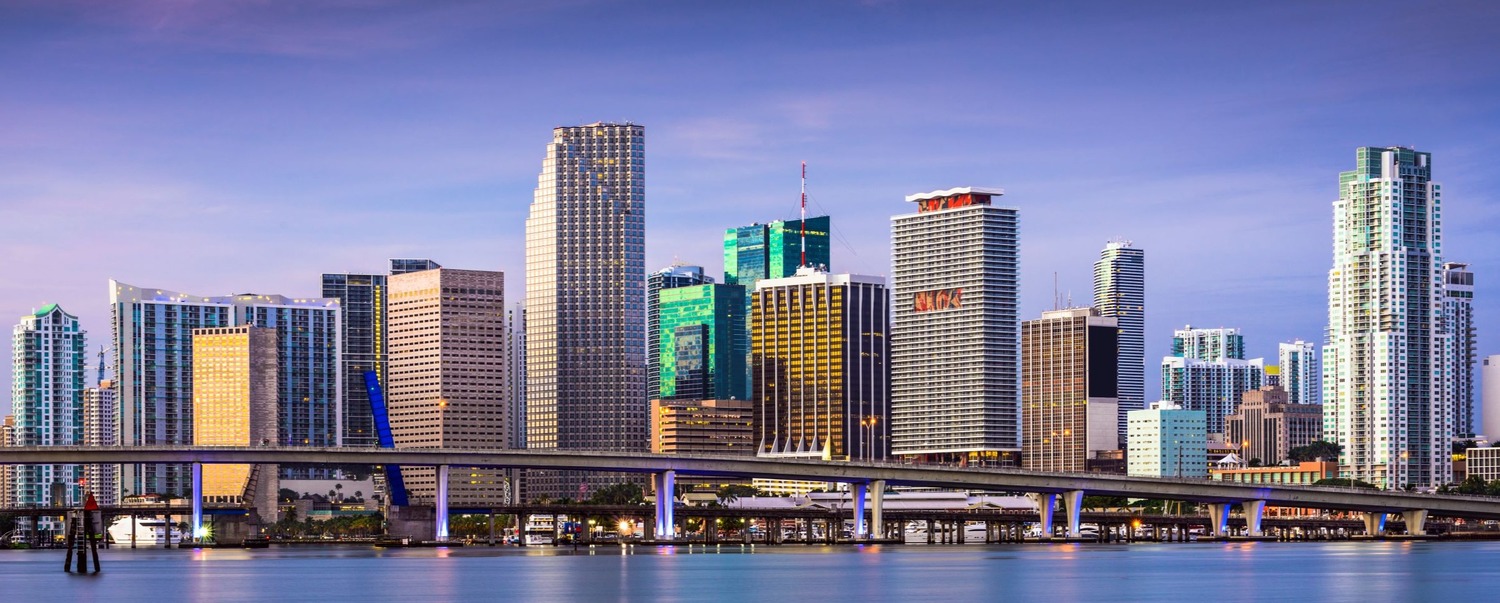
868 481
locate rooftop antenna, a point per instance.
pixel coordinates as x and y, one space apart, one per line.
802 220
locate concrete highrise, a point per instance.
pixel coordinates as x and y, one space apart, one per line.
8 472
1301 374
1069 403
1382 376
586 299
1208 371
955 335
1268 425
667 278
1491 382
448 367
1461 350
101 413
235 402
819 355
1120 292
362 297
47 399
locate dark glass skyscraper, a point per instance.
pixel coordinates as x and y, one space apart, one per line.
363 299
774 250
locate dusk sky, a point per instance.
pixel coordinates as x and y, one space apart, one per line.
229 146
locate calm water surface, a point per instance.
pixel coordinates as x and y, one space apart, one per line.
1361 572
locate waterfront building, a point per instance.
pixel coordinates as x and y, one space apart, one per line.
515 375
1382 376
819 356
447 365
47 399
1167 441
1068 391
1305 473
362 348
405 265
1268 425
1483 463
236 398
667 278
1300 372
1120 292
1208 371
8 472
100 414
702 427
1491 398
152 351
954 337
697 331
1461 348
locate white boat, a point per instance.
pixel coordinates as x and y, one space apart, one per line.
540 529
149 531
916 532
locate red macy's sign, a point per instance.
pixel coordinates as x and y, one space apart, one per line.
938 299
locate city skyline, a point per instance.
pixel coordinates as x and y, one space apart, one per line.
152 178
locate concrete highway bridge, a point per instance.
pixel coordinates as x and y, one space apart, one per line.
868 481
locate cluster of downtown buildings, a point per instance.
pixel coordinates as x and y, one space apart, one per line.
782 356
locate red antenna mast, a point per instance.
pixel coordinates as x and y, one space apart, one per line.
803 222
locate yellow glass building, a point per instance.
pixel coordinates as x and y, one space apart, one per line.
234 402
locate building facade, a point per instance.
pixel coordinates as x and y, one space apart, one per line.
1120 292
47 399
1491 397
1208 371
1306 473
697 332
775 250
100 415
1461 351
362 297
1068 390
819 353
1382 379
703 427
405 265
236 399
448 384
1301 374
667 278
7 472
1167 441
955 331
1268 425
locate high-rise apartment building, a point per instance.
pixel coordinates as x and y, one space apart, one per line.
100 415
1167 441
1491 397
697 331
153 355
1069 391
1120 292
448 364
1382 376
1461 349
1300 373
47 399
954 339
666 278
819 355
362 297
1208 371
236 383
586 299
1268 425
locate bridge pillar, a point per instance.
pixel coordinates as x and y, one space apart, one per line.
1046 506
1074 500
440 506
1218 514
877 508
859 491
198 532
1254 511
665 483
1416 522
1374 524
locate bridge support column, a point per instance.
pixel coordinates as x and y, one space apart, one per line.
1254 511
859 491
1074 500
877 508
1218 515
1374 524
1416 522
665 483
440 506
1046 506
198 532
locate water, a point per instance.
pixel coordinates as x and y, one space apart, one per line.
1362 572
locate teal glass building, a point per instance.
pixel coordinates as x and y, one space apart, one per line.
700 327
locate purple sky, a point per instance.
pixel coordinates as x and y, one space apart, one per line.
234 146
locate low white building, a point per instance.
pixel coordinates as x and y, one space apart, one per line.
1166 441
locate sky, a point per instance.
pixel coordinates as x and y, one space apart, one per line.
235 146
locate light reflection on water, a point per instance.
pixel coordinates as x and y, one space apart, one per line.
1360 572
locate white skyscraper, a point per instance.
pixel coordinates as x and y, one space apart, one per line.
1301 376
954 340
1208 371
1383 393
1491 415
1462 349
1120 292
100 415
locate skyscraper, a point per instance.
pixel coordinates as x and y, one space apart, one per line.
1120 292
363 348
1462 346
585 297
697 332
1382 379
515 375
1069 390
1208 371
1301 375
47 398
1491 380
1267 425
819 356
235 400
447 364
666 278
775 250
955 336
101 413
